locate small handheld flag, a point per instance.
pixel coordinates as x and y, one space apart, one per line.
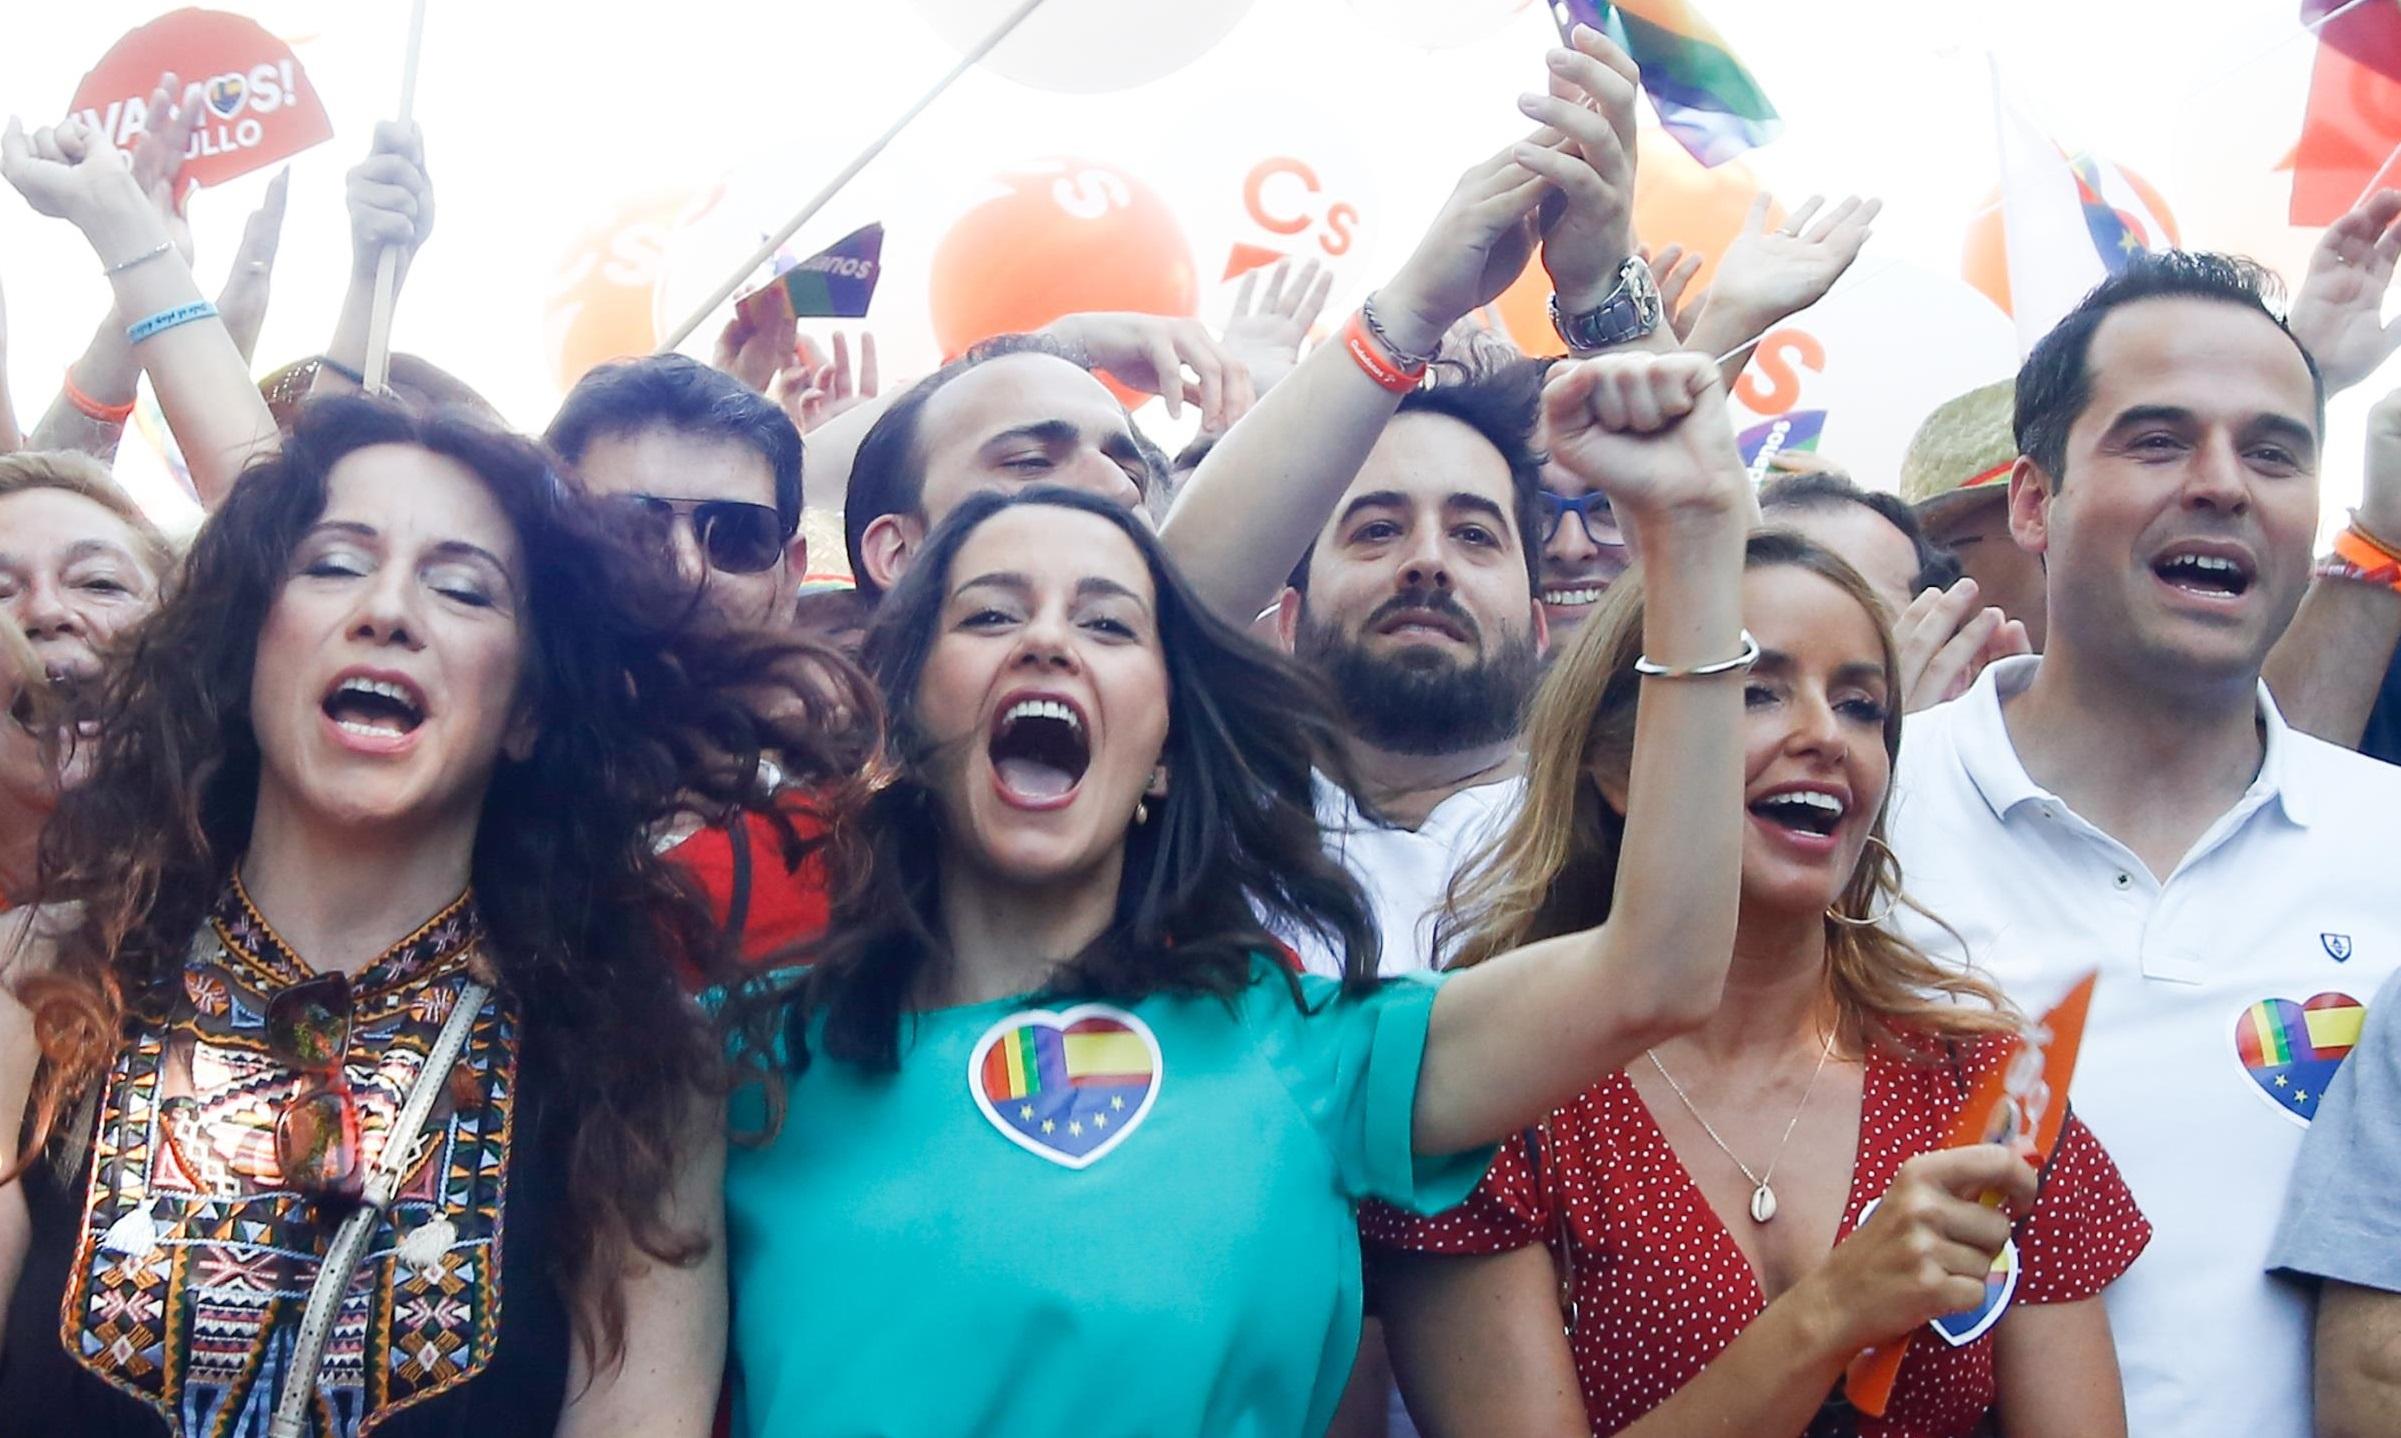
1704 95
837 282
2022 1100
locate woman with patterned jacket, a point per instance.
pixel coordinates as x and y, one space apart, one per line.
358 1089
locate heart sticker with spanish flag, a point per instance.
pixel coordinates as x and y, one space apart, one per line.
1068 1086
2291 1050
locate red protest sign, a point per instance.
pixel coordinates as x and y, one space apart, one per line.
258 105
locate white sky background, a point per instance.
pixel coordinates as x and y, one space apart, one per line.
539 117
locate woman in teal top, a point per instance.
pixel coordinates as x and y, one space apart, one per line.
1056 1142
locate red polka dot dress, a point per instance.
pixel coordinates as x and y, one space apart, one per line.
1661 1288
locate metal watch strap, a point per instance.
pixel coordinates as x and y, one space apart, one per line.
349 1246
1631 311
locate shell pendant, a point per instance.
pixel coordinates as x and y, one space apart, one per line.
1763 1203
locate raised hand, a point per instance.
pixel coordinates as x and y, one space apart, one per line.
1586 151
1944 640
813 389
1154 352
2338 314
1480 240
1649 430
1269 324
159 152
756 353
1924 1252
69 172
2380 489
1769 273
1673 270
243 301
391 200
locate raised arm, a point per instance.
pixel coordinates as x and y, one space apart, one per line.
97 396
2326 669
202 382
1773 272
1250 511
1522 1033
391 204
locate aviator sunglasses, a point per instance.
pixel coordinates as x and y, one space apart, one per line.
736 536
317 1128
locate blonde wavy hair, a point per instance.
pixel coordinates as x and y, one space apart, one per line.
1554 869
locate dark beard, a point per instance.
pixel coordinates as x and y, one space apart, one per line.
1419 701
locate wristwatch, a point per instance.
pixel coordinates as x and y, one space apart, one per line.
1631 312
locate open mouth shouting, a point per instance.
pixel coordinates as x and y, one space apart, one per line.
2215 572
1040 747
1803 816
372 711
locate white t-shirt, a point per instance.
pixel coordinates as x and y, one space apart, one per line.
2227 996
1406 872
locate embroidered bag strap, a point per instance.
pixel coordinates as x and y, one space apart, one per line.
349 1246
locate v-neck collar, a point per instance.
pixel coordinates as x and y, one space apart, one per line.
1648 1131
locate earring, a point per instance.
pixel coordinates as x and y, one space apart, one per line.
1891 904
1141 812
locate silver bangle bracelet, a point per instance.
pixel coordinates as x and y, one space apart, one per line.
1748 657
143 258
1367 313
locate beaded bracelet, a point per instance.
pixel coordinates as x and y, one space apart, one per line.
164 320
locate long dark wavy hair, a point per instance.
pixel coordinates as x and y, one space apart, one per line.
642 708
1228 860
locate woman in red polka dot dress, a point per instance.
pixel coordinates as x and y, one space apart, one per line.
1701 1219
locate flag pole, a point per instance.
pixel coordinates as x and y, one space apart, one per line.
387 264
774 242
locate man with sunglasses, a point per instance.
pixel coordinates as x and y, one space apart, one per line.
710 467
713 469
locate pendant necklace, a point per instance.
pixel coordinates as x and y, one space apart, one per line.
1763 1197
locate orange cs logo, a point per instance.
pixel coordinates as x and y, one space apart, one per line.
1772 384
1281 195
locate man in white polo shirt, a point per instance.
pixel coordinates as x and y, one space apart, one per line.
2132 801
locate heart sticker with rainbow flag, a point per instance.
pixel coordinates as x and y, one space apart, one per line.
2291 1050
1068 1086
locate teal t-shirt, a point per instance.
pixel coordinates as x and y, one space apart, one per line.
1070 1218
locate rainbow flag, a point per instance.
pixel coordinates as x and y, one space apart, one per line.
837 282
1704 95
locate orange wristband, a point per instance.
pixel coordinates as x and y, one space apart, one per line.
1372 358
2370 562
91 408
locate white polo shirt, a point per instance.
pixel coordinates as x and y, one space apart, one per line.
2228 994
1406 872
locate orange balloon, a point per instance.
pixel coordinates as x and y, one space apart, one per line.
1063 237
1984 258
599 305
1677 201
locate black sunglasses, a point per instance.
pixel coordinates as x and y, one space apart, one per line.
737 537
1592 510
